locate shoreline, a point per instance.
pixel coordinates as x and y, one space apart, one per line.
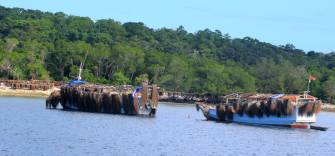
326 107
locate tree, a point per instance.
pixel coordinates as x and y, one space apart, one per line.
120 79
177 75
141 78
329 89
42 45
11 44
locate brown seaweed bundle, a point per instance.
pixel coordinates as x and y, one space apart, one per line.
252 110
306 109
221 112
302 109
68 97
92 102
287 108
267 107
133 110
126 104
73 96
236 106
89 101
85 101
144 93
279 108
63 97
53 100
310 108
135 104
106 103
98 102
154 98
116 104
242 109
80 99
260 110
263 108
273 107
230 113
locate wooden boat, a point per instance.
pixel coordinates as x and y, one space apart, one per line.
106 99
296 111
78 95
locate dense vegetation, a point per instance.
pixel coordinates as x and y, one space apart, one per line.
42 45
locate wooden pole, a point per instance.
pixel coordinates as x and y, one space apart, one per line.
144 93
154 97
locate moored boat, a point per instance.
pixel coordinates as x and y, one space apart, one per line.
79 95
293 110
106 99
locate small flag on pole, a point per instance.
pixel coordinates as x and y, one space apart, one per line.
311 78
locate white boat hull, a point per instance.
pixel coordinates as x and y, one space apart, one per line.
274 120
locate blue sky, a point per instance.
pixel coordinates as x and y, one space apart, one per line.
308 24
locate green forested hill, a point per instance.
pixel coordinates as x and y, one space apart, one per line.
41 45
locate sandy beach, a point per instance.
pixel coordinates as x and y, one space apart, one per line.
25 93
328 107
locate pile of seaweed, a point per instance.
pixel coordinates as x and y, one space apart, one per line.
99 99
265 107
310 108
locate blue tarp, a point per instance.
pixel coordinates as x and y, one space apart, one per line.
212 114
136 90
276 96
76 82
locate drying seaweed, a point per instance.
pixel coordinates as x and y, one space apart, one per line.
53 100
264 105
106 99
221 112
230 113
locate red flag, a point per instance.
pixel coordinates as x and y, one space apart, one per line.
311 78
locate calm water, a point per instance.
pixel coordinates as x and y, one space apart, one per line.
27 128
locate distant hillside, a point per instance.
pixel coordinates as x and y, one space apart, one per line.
42 45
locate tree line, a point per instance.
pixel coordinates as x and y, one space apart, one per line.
51 46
